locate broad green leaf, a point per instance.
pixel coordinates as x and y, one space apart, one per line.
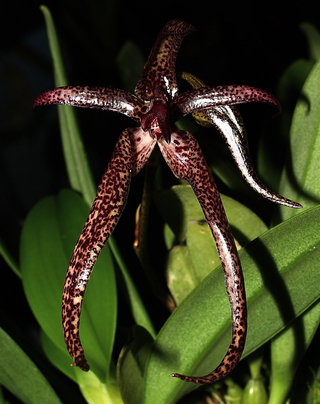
245 224
287 350
21 376
58 357
299 182
188 264
179 206
203 255
270 161
95 391
282 281
300 179
196 256
48 238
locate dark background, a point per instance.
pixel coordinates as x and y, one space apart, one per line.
235 43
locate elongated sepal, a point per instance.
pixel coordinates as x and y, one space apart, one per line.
186 161
158 78
228 121
210 97
129 156
105 212
104 98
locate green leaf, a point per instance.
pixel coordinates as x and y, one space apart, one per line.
48 238
245 224
188 264
95 391
10 260
58 357
79 173
21 376
196 255
287 350
179 206
130 292
282 281
300 179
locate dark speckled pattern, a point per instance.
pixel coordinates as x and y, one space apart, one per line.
158 79
228 121
186 161
157 105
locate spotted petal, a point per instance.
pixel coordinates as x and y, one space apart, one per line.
185 158
228 121
105 98
158 78
156 105
210 97
129 156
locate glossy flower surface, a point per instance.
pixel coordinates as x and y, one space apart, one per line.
156 106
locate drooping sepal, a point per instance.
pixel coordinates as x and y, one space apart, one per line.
228 121
105 212
131 152
186 160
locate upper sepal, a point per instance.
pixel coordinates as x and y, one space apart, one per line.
158 78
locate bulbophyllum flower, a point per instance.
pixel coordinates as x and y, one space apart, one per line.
156 106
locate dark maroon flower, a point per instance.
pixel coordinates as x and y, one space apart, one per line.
156 106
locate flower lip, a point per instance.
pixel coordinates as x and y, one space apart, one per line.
157 121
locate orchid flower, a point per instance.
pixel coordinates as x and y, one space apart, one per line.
156 106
